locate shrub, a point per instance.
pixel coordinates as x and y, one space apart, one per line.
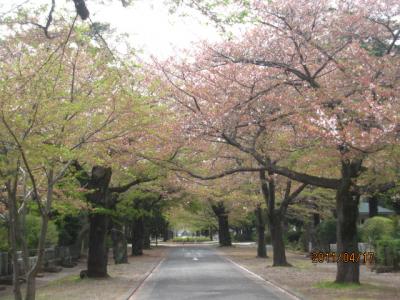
396 226
190 239
326 232
388 252
244 237
32 225
293 236
68 227
377 228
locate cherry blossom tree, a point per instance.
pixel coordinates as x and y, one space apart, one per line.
317 76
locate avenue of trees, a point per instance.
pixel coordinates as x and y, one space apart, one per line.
315 79
284 126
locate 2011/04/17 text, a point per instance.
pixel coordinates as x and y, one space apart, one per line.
346 257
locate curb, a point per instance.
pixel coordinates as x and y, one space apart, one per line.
285 291
148 274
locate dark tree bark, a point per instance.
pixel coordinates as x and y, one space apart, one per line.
146 237
101 196
275 225
98 251
224 235
248 233
120 250
347 199
237 231
276 215
275 222
166 234
77 246
307 237
81 9
313 238
373 206
223 224
137 237
373 191
13 223
260 223
316 219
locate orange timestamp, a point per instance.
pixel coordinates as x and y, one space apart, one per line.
345 257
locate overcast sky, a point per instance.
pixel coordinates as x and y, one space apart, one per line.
147 22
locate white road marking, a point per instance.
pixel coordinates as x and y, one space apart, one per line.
132 294
263 279
195 258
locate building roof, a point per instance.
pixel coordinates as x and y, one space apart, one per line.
363 208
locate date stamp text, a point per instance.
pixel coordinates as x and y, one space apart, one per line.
345 257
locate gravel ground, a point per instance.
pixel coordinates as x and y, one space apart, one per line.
67 285
312 281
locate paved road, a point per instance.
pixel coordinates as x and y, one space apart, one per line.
199 273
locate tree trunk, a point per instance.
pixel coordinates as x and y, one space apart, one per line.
146 238
165 231
78 245
31 277
210 232
261 246
308 238
223 224
120 251
247 233
347 199
275 220
166 234
275 225
373 206
316 219
137 237
100 197
12 206
98 250
223 231
237 231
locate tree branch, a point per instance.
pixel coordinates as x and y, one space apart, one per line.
329 183
83 177
289 198
26 163
219 175
125 187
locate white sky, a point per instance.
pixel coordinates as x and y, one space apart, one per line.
148 23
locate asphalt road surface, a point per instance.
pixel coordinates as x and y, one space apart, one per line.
199 273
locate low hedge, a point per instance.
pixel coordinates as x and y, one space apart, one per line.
388 252
190 239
